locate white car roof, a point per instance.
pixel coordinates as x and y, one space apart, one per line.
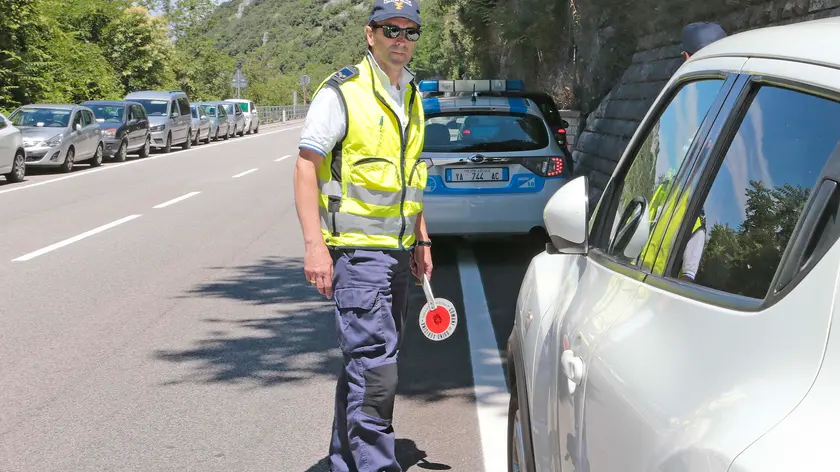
809 41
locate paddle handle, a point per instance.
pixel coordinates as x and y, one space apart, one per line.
427 289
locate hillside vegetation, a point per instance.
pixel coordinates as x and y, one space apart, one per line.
73 50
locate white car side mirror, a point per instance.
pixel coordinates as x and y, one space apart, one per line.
633 229
566 219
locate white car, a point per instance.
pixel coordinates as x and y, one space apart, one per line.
639 345
12 154
493 160
252 118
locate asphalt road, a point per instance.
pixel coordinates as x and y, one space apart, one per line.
155 317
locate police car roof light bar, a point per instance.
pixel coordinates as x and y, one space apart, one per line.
483 85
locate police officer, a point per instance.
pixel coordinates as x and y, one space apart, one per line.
359 197
696 36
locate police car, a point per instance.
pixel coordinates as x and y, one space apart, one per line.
493 159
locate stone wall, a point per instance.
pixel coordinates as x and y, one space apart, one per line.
610 126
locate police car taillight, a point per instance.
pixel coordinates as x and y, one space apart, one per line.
547 167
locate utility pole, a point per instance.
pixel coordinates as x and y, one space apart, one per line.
239 81
304 82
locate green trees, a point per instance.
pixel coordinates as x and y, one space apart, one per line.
75 50
743 260
70 51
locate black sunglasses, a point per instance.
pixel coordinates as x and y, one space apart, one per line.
394 32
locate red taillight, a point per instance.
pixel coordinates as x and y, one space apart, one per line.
544 167
561 131
466 131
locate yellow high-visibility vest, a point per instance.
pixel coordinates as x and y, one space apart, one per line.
371 184
649 252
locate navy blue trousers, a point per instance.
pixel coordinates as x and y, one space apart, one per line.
370 289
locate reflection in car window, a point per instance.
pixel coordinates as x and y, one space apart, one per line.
484 132
108 113
210 110
40 117
154 107
656 163
769 170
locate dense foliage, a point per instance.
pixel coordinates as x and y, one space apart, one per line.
64 51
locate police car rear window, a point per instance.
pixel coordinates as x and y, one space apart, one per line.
485 133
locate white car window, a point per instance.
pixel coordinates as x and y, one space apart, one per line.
772 164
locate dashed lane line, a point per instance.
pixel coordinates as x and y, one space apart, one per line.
176 200
77 238
242 174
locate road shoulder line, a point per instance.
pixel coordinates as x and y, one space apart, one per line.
489 384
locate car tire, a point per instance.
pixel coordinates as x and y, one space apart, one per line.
168 147
122 152
188 143
256 130
96 160
18 168
216 138
147 148
207 139
520 450
69 160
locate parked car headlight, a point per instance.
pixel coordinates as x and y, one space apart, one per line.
109 133
54 141
29 144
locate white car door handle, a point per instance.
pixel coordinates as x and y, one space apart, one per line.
572 366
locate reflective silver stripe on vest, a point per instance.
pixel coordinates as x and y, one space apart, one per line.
347 223
378 197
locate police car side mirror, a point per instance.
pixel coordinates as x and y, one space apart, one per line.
566 217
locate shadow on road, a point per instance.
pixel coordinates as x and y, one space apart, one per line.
407 455
294 344
298 340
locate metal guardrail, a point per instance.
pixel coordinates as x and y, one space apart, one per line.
274 114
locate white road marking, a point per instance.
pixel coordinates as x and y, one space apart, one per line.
176 200
139 161
490 388
283 158
74 239
244 173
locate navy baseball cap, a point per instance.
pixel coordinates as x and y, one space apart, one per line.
385 9
696 36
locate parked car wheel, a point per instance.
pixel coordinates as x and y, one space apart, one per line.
188 143
207 139
147 148
122 152
96 161
18 168
168 147
69 160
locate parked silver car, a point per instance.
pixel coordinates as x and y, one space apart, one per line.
235 115
219 124
169 116
12 154
252 120
200 124
59 135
